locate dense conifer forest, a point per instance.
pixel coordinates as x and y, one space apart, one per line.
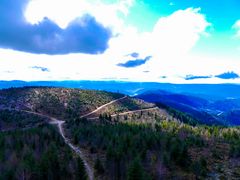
166 149
38 153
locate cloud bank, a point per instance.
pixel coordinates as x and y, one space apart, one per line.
225 75
83 35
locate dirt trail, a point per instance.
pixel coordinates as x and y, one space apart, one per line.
134 111
59 124
76 149
128 112
103 106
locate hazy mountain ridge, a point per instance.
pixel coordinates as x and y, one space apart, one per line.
207 111
209 91
214 102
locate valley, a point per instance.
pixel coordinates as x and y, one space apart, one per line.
206 110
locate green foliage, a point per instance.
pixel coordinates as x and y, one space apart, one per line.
105 117
58 102
235 149
181 116
80 171
98 167
11 120
164 145
37 153
169 142
200 168
124 141
135 170
178 153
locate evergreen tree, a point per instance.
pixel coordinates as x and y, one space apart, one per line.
81 173
98 166
135 171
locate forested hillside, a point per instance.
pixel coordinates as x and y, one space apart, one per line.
117 136
12 120
37 153
58 102
165 149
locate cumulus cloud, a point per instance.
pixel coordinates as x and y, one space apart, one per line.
83 35
236 27
169 43
180 31
228 75
135 63
169 55
110 14
171 39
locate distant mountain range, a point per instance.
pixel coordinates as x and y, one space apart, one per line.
206 102
209 91
206 110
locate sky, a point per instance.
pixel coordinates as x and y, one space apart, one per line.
174 41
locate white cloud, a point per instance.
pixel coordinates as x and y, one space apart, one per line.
174 34
64 11
169 43
179 32
60 11
236 27
92 67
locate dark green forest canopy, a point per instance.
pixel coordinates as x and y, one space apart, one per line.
38 153
170 145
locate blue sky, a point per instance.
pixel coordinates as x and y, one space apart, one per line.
184 41
222 13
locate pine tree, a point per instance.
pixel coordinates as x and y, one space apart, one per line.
135 171
98 166
81 173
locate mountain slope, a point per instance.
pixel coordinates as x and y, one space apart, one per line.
65 103
59 102
121 138
194 106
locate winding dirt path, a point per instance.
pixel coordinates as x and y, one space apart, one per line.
128 112
59 124
76 149
135 111
103 106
